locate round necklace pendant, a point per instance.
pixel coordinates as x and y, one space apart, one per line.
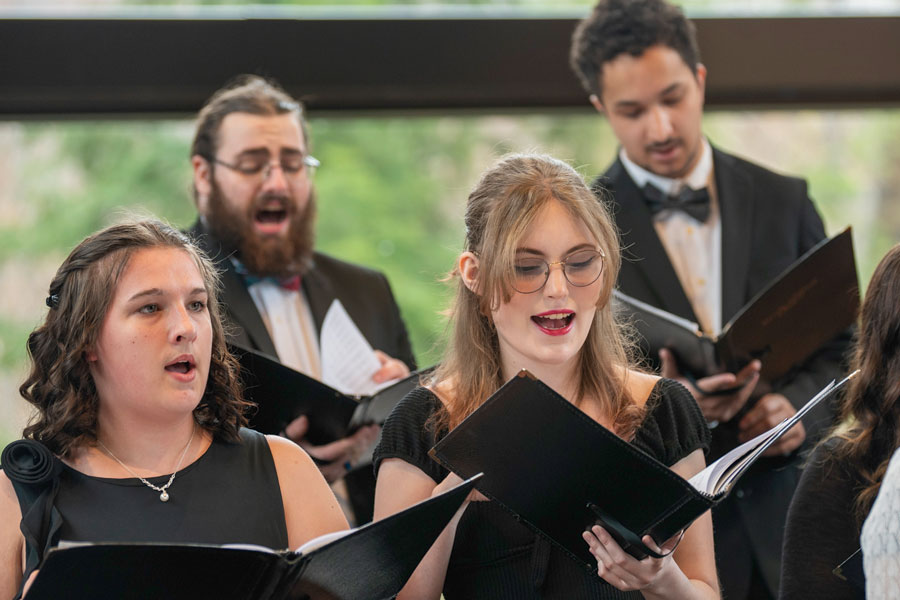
164 496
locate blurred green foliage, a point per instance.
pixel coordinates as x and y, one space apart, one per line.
391 192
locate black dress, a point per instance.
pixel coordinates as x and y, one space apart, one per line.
228 495
494 556
821 529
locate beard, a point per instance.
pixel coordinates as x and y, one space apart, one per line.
264 256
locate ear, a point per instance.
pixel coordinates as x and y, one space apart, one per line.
90 356
701 81
595 100
202 182
468 270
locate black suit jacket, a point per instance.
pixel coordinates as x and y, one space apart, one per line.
365 294
768 222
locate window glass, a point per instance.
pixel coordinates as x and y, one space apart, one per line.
391 193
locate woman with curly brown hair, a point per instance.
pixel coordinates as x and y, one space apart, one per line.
533 285
845 471
138 434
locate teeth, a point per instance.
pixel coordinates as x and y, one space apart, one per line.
556 316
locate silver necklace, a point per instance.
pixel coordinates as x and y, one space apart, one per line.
163 494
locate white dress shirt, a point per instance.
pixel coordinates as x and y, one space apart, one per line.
694 248
290 324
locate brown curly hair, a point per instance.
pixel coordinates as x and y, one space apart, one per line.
60 385
869 429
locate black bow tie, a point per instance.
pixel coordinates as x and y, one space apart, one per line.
693 202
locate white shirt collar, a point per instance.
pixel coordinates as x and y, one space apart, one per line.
696 179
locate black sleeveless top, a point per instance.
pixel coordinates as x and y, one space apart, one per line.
229 495
494 556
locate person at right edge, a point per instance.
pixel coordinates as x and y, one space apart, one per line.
703 231
849 468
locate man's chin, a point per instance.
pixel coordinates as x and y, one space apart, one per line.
670 170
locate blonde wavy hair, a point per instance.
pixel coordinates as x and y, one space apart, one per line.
500 210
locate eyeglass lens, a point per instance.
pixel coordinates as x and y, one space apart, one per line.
289 163
581 269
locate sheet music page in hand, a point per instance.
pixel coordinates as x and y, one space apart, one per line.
348 361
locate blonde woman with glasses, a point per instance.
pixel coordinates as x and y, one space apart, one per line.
533 287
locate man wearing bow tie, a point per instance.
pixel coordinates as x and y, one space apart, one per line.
254 191
702 232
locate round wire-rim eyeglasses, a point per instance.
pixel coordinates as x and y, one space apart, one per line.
581 269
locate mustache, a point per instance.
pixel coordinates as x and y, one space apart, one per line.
269 199
666 143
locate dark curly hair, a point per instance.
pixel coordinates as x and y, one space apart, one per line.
870 413
619 26
60 385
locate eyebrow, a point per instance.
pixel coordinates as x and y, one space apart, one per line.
146 293
568 252
632 103
254 152
264 152
152 292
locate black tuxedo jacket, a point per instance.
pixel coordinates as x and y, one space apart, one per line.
768 222
365 294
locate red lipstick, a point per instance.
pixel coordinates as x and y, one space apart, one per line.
555 322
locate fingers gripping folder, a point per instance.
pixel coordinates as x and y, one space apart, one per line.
629 541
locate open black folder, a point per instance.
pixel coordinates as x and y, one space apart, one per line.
561 472
784 324
282 394
372 562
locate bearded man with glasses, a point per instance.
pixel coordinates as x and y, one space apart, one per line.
254 192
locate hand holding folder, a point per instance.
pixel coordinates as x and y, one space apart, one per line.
581 473
783 325
371 562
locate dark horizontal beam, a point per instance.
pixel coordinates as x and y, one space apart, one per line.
118 66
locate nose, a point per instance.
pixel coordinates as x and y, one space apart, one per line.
183 328
660 124
274 179
557 286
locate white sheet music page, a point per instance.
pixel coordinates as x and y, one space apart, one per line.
348 361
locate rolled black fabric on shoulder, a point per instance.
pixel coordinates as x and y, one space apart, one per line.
34 472
29 462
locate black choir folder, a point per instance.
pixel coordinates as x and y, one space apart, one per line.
372 562
561 472
282 394
784 324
